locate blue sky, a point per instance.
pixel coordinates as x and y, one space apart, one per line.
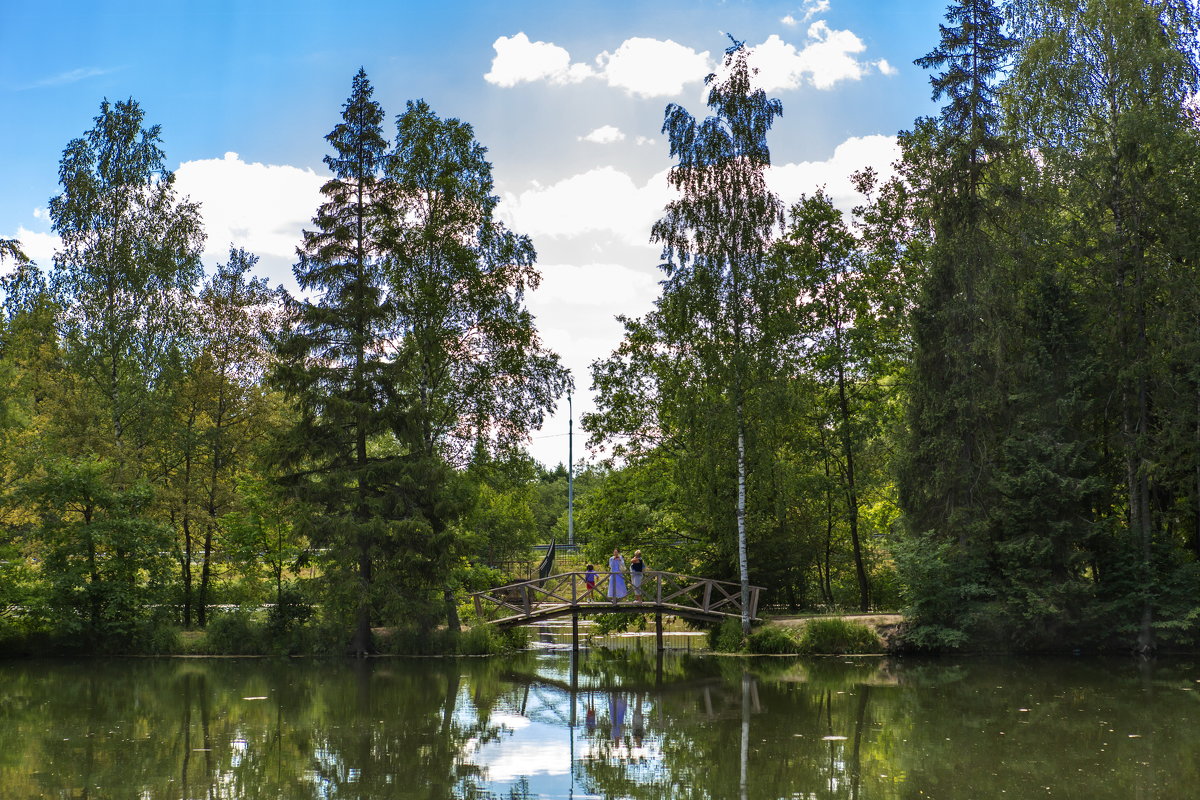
568 97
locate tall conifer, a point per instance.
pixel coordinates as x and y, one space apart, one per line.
334 363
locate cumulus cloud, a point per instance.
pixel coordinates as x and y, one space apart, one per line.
641 66
826 59
601 200
261 207
792 180
653 68
643 140
886 68
519 60
605 134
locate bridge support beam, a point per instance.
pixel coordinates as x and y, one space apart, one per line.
658 631
574 633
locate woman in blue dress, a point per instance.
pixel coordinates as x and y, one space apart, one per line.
616 576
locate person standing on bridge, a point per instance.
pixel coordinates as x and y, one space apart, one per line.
636 568
589 580
616 576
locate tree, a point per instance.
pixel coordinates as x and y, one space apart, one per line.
849 347
469 360
685 376
221 412
715 237
104 557
955 403
336 365
1101 89
130 256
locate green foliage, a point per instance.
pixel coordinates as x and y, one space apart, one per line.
487 640
236 632
772 640
838 636
726 637
605 624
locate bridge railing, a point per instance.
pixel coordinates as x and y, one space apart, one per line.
670 591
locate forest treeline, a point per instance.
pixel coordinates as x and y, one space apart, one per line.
975 396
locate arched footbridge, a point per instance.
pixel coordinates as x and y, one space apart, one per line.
531 602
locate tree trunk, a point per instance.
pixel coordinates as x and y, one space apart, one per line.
743 561
205 577
864 591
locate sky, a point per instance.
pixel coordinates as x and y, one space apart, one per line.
568 97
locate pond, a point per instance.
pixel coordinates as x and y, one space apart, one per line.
607 724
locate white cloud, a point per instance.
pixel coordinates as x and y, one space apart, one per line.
641 66
792 180
810 9
814 7
605 134
261 207
826 59
601 200
643 140
653 68
73 76
886 68
519 60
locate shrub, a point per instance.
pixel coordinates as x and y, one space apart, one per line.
235 633
772 640
726 636
835 635
486 640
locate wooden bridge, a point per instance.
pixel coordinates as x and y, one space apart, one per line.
530 602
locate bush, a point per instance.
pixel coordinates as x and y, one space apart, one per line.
487 640
235 633
726 636
772 640
838 636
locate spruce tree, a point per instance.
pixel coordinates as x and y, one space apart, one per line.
955 405
335 365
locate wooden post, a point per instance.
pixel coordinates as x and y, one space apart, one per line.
707 595
574 634
528 601
658 630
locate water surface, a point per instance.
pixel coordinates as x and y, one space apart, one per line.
606 725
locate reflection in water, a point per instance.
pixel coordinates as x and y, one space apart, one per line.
626 725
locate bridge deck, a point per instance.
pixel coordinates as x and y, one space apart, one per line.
528 602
